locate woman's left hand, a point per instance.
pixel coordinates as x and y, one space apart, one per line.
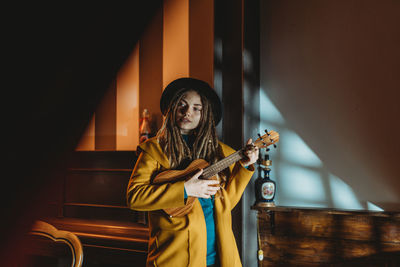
251 154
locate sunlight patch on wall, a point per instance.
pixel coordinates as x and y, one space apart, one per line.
343 196
373 207
296 151
268 111
301 184
302 180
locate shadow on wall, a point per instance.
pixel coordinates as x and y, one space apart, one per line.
302 178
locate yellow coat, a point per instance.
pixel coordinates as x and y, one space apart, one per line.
182 241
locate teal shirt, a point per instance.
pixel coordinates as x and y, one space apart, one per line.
208 209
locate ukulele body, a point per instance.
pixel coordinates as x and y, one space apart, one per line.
181 175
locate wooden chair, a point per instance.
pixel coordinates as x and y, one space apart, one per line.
46 230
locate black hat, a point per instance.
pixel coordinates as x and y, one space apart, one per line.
182 85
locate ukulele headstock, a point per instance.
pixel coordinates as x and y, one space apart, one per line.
269 138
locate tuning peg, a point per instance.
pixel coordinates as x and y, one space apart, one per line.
274 146
267 149
266 131
259 135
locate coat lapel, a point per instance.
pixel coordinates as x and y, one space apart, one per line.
153 148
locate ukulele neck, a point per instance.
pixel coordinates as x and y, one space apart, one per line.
219 166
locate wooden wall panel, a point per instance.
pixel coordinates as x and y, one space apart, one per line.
176 40
229 15
105 120
201 40
127 103
229 83
103 160
251 115
97 186
151 69
86 142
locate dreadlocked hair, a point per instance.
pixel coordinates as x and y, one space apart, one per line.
205 145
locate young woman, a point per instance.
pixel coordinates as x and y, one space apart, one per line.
204 236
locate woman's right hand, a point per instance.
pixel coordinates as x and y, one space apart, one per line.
196 187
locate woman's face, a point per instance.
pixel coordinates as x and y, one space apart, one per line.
189 112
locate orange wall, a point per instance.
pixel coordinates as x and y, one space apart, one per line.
177 43
176 40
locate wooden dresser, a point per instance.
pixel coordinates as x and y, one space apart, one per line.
326 237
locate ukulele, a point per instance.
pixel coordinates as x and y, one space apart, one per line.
209 172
